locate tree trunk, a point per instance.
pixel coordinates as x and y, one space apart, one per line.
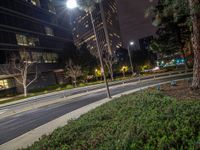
75 84
196 43
25 91
124 74
111 74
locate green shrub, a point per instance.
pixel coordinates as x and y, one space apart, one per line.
139 121
81 85
69 86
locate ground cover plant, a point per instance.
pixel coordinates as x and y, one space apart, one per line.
145 120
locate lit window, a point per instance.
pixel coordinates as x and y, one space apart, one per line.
25 56
33 41
26 41
49 31
21 40
35 2
42 57
6 84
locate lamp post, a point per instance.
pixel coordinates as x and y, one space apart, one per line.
129 54
71 4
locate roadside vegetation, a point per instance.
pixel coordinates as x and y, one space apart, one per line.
145 120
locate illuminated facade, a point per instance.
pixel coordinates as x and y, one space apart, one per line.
39 28
106 23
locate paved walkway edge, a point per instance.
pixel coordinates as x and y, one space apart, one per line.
30 137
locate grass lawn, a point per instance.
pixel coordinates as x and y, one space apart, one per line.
146 120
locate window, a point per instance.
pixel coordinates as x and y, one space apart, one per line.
21 40
49 31
6 84
25 56
42 57
26 40
50 57
35 2
33 41
54 58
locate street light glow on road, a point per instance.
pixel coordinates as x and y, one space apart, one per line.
71 4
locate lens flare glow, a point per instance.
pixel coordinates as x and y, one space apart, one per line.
71 4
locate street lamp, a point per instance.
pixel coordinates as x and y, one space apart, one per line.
71 4
131 43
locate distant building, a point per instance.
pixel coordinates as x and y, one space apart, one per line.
106 24
41 28
145 42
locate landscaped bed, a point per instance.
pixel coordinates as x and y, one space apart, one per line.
145 120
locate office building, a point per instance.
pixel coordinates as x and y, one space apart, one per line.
106 24
41 29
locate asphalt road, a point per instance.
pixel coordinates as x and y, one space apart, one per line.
16 125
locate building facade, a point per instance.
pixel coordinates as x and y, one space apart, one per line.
41 29
106 23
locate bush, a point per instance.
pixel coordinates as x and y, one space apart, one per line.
82 85
69 86
138 121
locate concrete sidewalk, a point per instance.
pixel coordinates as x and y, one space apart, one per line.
29 138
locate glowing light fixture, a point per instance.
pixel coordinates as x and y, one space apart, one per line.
71 4
132 43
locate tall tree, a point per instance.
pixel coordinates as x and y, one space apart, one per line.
173 22
195 15
185 13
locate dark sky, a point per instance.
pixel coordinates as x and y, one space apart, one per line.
132 21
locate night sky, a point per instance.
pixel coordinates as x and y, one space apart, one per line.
132 21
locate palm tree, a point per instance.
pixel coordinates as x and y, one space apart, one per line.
88 6
195 14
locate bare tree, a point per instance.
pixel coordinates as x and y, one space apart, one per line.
20 69
109 60
73 71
